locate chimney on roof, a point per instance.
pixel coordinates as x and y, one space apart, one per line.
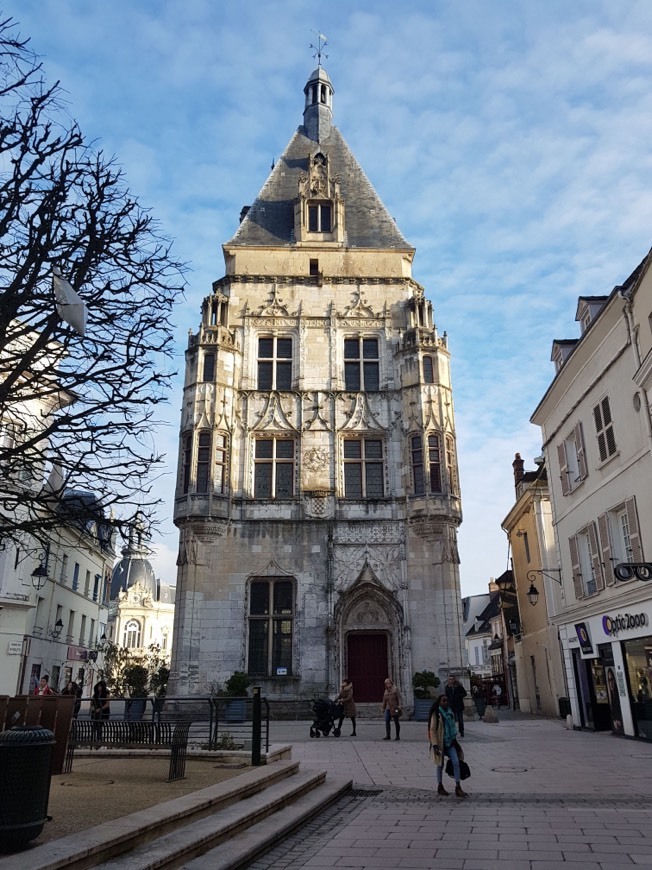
519 468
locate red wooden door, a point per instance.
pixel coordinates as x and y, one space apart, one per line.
367 665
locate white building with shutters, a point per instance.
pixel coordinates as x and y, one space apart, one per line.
597 436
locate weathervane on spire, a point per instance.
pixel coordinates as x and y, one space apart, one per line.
322 42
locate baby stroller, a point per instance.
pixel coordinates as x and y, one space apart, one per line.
326 712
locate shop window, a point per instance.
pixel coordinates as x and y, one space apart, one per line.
274 363
271 617
361 364
274 468
363 468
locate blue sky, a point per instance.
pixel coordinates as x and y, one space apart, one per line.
510 141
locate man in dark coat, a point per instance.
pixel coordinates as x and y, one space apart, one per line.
456 693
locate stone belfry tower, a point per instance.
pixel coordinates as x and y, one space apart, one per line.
317 497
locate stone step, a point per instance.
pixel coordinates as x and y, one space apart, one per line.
240 851
250 826
90 847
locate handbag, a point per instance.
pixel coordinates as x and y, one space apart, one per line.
465 770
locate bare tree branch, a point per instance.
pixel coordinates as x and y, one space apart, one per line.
86 405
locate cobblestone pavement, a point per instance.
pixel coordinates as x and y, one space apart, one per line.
540 796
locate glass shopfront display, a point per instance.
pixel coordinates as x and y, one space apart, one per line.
638 663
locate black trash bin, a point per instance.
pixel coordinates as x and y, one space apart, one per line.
564 707
25 759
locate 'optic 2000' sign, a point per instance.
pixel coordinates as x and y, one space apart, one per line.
614 624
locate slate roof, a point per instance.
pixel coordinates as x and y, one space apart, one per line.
270 220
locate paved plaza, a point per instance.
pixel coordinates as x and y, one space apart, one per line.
539 796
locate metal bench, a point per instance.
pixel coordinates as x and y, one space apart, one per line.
123 734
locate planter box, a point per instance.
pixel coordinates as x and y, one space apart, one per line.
422 709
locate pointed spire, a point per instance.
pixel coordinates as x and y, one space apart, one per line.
318 110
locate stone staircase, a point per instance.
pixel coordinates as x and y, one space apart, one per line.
226 825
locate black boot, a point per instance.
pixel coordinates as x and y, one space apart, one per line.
398 729
353 723
388 733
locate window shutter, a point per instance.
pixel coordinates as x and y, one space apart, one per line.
563 468
605 544
581 454
575 562
634 531
595 557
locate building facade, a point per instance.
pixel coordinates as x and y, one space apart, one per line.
537 586
318 493
141 607
597 432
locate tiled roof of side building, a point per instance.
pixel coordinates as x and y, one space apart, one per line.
270 221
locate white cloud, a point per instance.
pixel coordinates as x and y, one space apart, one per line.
510 141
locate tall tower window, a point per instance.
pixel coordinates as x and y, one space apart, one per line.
452 465
428 370
187 462
209 367
220 463
361 364
203 461
363 468
431 474
271 612
274 363
320 217
274 468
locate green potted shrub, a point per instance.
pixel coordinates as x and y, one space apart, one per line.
425 685
236 686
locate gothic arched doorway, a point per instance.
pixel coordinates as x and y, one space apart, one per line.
367 664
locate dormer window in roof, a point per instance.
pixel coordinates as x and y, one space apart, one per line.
319 210
561 350
588 308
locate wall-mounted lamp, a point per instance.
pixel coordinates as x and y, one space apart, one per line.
55 631
533 592
40 576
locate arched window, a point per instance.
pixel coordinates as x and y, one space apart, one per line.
209 367
131 634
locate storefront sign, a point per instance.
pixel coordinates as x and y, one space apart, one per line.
14 647
77 654
623 622
584 638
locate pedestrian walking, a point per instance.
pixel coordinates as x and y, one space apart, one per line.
73 689
442 734
100 709
479 700
392 709
345 698
43 687
456 693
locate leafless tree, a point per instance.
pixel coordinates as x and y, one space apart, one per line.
76 411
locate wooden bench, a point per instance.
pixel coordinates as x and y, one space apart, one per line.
123 734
